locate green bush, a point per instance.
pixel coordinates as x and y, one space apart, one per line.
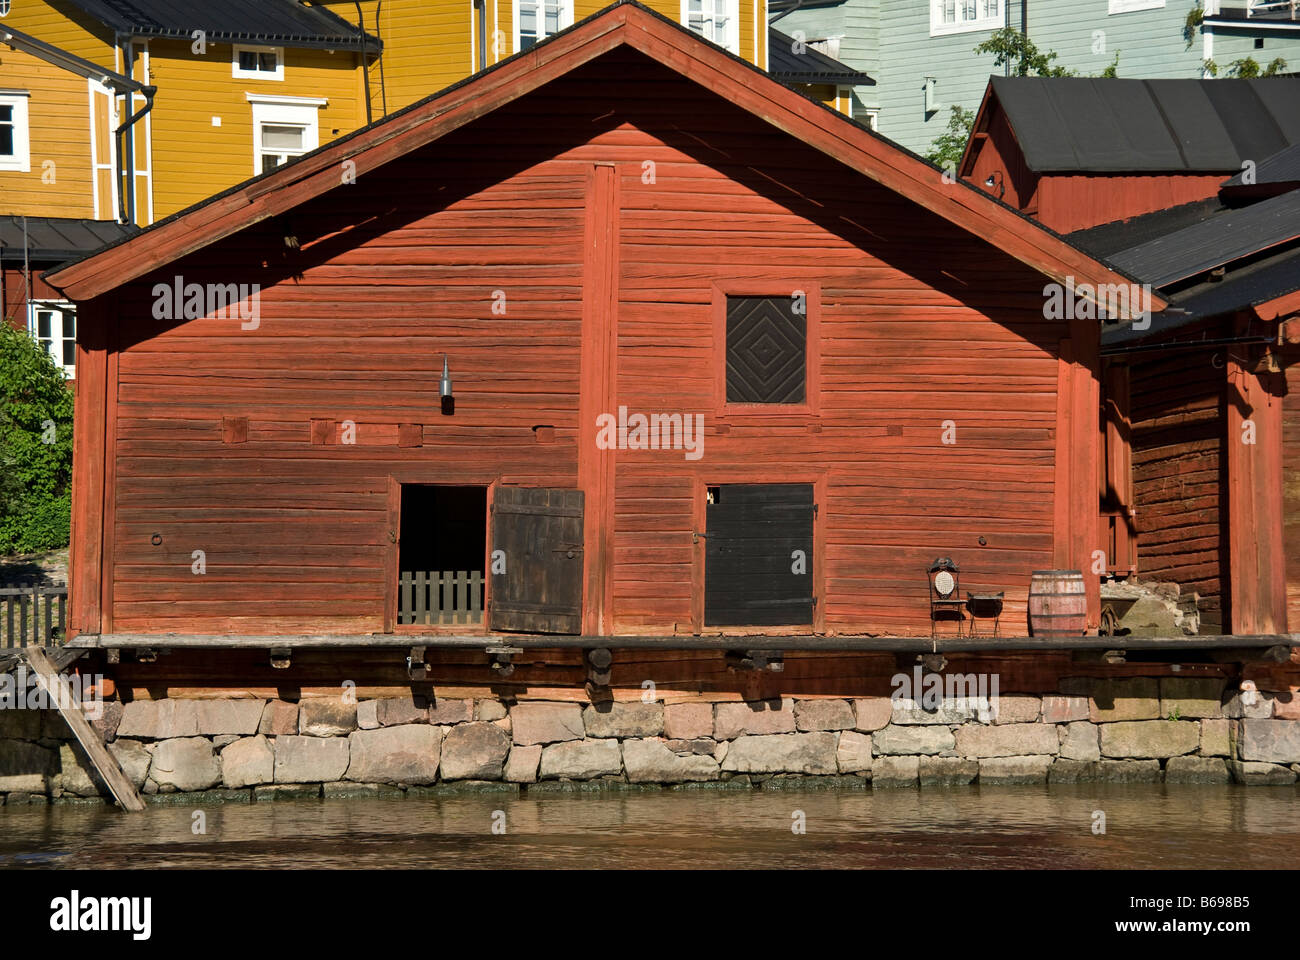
35 447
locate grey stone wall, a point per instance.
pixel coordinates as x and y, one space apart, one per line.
1175 730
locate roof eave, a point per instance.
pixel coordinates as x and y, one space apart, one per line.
58 57
840 79
349 44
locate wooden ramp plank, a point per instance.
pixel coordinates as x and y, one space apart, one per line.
56 686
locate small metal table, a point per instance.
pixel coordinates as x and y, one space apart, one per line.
984 606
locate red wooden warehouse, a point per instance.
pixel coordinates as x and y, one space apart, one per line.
718 360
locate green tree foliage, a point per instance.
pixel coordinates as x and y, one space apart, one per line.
1112 71
1195 17
35 447
1246 68
948 147
1009 45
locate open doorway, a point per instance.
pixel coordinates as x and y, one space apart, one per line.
441 554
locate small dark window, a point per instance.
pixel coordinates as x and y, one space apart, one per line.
767 346
1259 43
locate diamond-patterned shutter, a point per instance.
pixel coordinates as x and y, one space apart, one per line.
767 347
540 533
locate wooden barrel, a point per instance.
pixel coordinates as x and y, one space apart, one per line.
1058 605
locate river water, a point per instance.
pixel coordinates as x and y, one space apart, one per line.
1146 826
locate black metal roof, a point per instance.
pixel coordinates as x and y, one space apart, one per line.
1281 167
280 22
56 239
1256 245
1258 282
1117 125
1108 239
809 65
1217 240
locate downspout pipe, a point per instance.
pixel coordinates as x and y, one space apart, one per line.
383 83
126 196
365 60
481 7
126 157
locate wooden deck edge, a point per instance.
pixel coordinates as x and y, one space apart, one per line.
725 642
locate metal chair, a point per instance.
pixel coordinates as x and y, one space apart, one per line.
945 596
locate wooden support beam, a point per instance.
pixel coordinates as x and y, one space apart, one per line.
1256 555
599 390
56 686
89 451
517 643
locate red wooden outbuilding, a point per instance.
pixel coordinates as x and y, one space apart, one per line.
1075 152
624 222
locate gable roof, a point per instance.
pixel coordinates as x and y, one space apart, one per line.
1116 125
281 22
810 65
629 24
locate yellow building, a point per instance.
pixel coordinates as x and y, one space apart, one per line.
431 44
240 86
243 85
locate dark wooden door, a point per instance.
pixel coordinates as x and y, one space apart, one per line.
758 555
539 534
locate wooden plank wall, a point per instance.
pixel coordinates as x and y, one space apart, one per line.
1180 476
1068 202
1291 484
1000 157
920 324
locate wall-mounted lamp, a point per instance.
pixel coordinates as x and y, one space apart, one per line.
444 390
994 179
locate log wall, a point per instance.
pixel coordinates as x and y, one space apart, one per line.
363 291
1180 476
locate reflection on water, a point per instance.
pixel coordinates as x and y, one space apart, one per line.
1147 826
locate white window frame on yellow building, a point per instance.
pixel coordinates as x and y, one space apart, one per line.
565 18
709 12
285 111
239 73
20 161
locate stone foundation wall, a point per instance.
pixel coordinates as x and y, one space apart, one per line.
1175 730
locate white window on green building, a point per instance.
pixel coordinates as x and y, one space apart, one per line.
961 16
